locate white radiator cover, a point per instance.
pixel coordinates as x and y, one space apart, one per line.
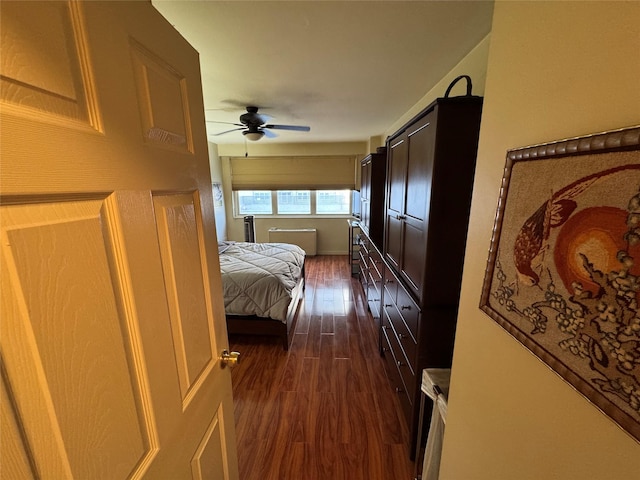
305 238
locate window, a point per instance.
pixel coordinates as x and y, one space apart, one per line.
333 202
256 202
293 202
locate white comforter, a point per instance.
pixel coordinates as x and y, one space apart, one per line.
258 278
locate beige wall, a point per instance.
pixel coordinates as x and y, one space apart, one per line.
556 70
474 65
215 166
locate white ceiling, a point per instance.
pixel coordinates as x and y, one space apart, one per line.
347 69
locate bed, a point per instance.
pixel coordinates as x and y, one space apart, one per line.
263 284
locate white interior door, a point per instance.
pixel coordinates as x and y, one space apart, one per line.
112 319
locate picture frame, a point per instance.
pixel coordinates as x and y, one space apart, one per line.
563 270
217 194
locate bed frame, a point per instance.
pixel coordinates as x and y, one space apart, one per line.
254 325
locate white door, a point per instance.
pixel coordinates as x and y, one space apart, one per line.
112 319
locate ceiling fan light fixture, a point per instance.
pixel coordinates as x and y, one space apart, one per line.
253 136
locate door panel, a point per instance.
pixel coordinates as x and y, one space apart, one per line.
183 266
13 449
112 310
393 243
58 85
70 330
421 141
397 176
414 241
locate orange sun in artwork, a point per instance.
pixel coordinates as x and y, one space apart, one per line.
596 233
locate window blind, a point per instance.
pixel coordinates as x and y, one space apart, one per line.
293 173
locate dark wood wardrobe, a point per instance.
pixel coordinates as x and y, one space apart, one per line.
430 166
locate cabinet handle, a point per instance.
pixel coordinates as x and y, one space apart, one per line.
385 326
387 305
385 349
400 364
402 336
388 281
399 390
405 307
401 217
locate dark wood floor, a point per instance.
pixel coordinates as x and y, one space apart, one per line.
324 409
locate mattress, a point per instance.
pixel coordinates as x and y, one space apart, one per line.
259 278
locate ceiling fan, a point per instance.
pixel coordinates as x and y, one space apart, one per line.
254 126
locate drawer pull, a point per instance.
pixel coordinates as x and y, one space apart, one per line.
385 326
398 390
405 307
402 336
400 364
388 280
387 305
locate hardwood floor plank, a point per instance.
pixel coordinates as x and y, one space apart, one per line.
324 409
293 366
325 368
327 323
314 336
341 337
309 377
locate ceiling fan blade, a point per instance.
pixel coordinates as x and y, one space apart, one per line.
227 131
268 133
264 117
227 123
298 128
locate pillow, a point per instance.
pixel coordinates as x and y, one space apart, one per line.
223 246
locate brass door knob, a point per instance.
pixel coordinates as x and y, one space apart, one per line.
230 359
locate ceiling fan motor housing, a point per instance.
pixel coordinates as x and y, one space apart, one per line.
252 118
254 126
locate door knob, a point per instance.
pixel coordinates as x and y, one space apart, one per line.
230 359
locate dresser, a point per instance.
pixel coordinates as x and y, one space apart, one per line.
371 271
430 171
372 192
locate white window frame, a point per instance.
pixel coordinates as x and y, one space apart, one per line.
274 206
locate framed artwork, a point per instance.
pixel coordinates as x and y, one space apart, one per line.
217 194
563 274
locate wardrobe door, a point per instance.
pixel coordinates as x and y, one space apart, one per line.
365 193
396 182
420 161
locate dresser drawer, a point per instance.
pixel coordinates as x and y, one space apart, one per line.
363 242
390 284
409 310
362 262
375 262
375 282
394 376
402 363
405 338
373 296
